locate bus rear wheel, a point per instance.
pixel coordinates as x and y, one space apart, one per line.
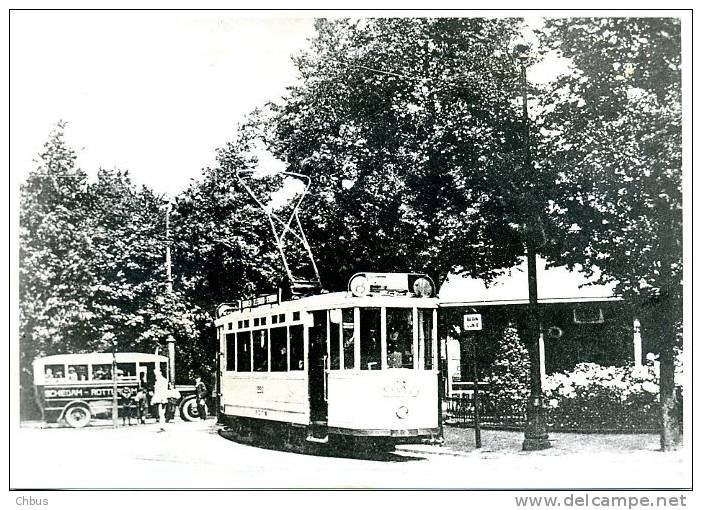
77 416
188 409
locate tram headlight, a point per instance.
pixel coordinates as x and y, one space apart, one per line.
359 285
423 287
402 412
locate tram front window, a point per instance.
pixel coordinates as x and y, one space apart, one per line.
348 338
399 338
426 327
370 339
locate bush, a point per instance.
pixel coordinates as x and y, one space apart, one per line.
508 388
593 397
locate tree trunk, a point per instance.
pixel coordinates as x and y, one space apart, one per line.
667 321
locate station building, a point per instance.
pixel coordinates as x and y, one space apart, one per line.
580 322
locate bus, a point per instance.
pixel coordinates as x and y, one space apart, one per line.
75 388
341 366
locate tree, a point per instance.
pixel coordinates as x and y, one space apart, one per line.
614 127
53 244
509 376
411 134
91 264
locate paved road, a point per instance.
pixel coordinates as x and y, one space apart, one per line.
194 455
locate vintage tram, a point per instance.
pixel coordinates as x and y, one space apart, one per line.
334 366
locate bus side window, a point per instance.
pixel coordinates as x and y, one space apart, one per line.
54 371
102 372
78 372
126 370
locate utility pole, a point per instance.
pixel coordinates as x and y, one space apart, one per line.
535 434
169 290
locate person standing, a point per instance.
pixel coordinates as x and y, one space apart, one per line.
201 392
160 398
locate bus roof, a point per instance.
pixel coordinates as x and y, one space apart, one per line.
98 358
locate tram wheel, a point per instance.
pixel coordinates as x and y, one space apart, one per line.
77 416
188 409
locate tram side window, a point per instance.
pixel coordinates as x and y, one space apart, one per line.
243 352
102 372
297 348
279 349
399 338
54 371
260 350
426 323
77 372
231 352
347 325
370 339
334 338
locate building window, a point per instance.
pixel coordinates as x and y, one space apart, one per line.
588 315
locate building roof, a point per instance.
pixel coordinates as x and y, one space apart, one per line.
555 285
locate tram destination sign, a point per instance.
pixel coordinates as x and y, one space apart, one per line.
269 299
472 322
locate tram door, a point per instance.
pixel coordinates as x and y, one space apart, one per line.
317 377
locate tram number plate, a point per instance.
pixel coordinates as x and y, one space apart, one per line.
261 412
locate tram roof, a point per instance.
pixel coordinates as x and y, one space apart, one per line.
335 300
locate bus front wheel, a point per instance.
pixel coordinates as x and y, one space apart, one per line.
77 416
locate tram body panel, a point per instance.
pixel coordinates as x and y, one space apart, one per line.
378 402
270 396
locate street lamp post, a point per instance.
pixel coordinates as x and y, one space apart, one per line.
535 433
169 290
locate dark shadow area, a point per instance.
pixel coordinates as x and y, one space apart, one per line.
332 449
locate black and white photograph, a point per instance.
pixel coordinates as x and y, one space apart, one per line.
351 250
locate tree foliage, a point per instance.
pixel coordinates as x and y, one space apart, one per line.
615 135
410 131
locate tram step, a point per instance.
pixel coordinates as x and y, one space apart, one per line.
315 439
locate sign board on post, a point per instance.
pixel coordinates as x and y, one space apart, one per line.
472 322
